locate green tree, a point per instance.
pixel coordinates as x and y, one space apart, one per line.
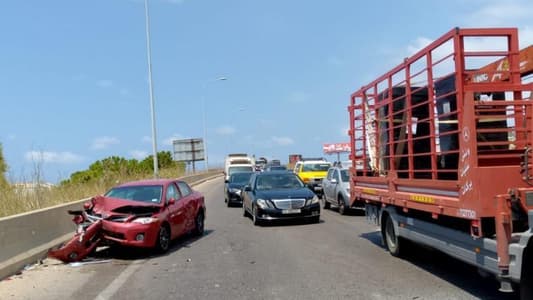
3 168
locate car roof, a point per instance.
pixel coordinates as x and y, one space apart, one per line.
161 181
275 172
315 162
243 172
340 167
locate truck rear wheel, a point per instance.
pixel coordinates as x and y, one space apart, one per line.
390 236
526 281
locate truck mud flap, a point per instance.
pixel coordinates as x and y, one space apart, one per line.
81 244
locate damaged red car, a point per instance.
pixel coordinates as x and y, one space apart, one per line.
148 213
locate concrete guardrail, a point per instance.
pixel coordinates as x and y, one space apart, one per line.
25 238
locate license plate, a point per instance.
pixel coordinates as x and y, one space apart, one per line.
318 188
291 211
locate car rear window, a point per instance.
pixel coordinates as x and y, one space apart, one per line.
319 167
240 177
232 170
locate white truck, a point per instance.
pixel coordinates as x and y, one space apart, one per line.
238 162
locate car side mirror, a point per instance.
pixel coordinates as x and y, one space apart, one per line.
247 188
171 201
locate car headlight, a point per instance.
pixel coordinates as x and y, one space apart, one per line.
148 220
312 200
235 191
262 203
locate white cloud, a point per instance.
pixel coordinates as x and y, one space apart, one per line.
138 154
282 140
104 142
169 141
225 130
510 13
104 83
53 157
417 45
146 139
526 36
500 13
298 97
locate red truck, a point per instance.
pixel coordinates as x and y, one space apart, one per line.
442 153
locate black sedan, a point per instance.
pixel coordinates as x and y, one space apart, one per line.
279 196
233 187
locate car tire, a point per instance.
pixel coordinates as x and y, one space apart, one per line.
228 203
315 219
199 224
255 219
342 206
327 205
163 239
244 211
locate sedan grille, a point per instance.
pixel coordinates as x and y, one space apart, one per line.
288 203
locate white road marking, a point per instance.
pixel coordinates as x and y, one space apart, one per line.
116 284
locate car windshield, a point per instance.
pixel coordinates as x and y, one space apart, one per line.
316 167
141 193
345 177
278 168
232 170
278 181
240 178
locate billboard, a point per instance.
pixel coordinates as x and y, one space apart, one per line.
189 150
336 148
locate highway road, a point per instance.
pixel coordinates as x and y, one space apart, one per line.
339 258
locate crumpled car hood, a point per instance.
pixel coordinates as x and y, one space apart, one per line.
113 206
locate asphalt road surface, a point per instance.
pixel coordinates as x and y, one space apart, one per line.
339 258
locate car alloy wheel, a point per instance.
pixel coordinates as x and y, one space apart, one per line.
163 240
342 206
199 224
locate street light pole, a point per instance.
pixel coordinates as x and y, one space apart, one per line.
150 84
204 89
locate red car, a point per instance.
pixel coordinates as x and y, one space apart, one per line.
148 213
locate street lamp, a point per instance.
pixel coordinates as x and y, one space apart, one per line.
150 85
204 89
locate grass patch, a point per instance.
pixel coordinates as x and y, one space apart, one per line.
15 200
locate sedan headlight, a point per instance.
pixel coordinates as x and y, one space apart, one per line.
312 200
148 220
262 203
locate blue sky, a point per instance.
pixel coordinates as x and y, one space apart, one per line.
73 84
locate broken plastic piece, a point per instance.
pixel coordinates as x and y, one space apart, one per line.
80 245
